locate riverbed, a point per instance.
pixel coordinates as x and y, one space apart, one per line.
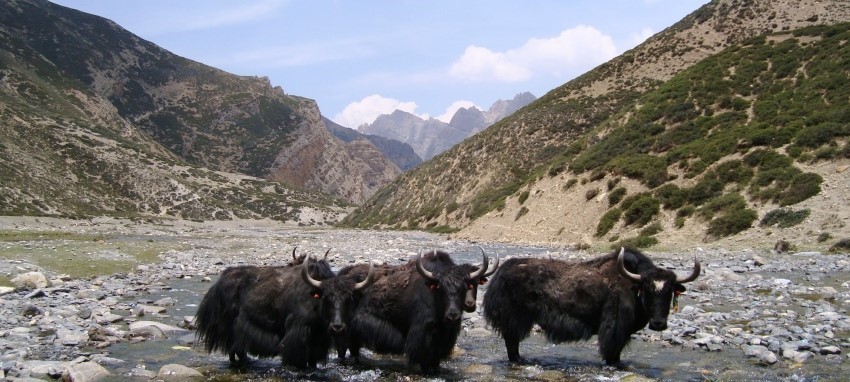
746 306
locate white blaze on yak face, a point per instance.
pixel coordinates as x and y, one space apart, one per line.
659 284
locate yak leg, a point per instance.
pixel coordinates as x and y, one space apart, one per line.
615 329
515 331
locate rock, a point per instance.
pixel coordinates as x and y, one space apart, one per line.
761 354
30 280
161 326
478 332
175 372
147 332
84 372
478 369
4 290
42 369
830 350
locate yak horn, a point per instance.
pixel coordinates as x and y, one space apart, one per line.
369 278
305 274
495 267
622 268
483 268
422 271
293 253
326 254
694 274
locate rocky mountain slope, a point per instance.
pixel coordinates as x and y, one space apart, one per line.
431 137
728 127
96 120
400 153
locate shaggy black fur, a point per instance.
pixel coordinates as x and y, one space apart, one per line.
266 311
403 312
574 301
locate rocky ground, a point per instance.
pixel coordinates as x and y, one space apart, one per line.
784 314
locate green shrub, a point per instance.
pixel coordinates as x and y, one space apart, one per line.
636 242
651 229
784 218
523 196
570 183
591 193
671 196
641 211
842 245
522 211
616 196
722 205
732 223
802 187
608 221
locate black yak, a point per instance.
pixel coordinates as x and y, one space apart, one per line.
270 311
612 296
436 260
412 311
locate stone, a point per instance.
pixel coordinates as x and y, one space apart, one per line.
4 290
163 327
831 349
30 280
175 372
84 372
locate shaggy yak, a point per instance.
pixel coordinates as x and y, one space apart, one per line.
411 310
279 310
612 296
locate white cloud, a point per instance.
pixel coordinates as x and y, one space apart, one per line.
573 51
233 15
453 108
369 108
640 37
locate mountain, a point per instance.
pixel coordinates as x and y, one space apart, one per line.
400 153
728 127
431 137
96 120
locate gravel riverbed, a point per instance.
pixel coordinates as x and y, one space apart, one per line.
752 315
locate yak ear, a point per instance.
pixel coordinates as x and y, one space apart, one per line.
679 288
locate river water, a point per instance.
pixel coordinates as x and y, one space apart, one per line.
483 357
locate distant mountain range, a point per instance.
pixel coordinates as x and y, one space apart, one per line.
431 137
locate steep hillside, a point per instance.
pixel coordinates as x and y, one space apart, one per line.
205 116
659 122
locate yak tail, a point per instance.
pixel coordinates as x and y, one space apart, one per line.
214 320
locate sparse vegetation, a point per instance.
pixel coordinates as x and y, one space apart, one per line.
784 218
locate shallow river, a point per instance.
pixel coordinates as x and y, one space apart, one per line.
484 357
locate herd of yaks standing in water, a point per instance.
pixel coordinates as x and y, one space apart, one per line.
302 310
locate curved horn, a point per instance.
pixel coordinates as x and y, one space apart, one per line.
305 274
622 268
495 267
293 253
422 271
326 254
369 278
483 268
694 274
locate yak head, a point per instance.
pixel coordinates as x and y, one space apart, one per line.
455 287
656 288
472 284
336 297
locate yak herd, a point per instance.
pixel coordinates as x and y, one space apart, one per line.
302 310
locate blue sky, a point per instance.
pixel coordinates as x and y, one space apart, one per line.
360 59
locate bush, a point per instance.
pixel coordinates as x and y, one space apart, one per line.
784 218
522 211
608 221
842 245
651 229
723 204
523 197
591 193
616 196
732 223
636 242
641 211
671 196
802 187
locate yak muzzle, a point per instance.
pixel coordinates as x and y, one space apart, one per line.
337 328
658 325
